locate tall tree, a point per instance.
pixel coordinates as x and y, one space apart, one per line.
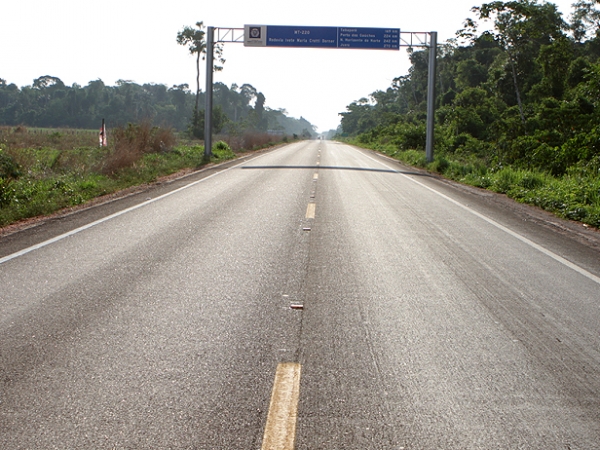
585 19
194 39
521 27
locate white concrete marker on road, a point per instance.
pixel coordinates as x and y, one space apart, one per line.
280 430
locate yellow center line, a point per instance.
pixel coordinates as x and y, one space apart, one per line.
316 176
311 210
280 431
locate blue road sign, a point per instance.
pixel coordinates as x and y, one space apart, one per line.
283 36
369 38
322 37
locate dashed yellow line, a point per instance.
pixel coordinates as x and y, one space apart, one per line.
311 210
280 431
316 176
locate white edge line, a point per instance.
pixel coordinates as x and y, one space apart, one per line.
117 214
521 238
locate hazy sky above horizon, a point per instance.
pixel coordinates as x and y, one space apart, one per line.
83 41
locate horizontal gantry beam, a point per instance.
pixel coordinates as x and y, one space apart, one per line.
407 38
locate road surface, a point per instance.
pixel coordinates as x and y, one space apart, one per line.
313 297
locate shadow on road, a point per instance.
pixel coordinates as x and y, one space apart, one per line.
359 169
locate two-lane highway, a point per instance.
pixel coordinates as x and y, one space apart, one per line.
316 296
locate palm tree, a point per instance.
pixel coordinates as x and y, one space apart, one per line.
194 39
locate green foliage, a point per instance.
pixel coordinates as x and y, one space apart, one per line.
196 127
7 192
222 151
575 196
470 74
440 164
8 166
189 151
572 197
413 157
358 119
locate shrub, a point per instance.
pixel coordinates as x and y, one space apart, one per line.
222 151
122 156
531 180
440 164
133 141
474 179
408 136
221 146
413 157
7 192
8 166
504 180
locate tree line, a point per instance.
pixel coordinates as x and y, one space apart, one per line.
524 92
48 102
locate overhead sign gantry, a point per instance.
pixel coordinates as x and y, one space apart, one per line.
321 37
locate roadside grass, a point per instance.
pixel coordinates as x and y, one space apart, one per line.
574 196
222 152
58 138
41 173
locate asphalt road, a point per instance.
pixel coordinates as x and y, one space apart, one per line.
425 316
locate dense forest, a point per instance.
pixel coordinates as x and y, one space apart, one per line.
523 92
48 102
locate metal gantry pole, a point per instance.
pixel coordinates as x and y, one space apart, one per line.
210 38
430 139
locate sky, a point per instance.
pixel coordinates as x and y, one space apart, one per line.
80 41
